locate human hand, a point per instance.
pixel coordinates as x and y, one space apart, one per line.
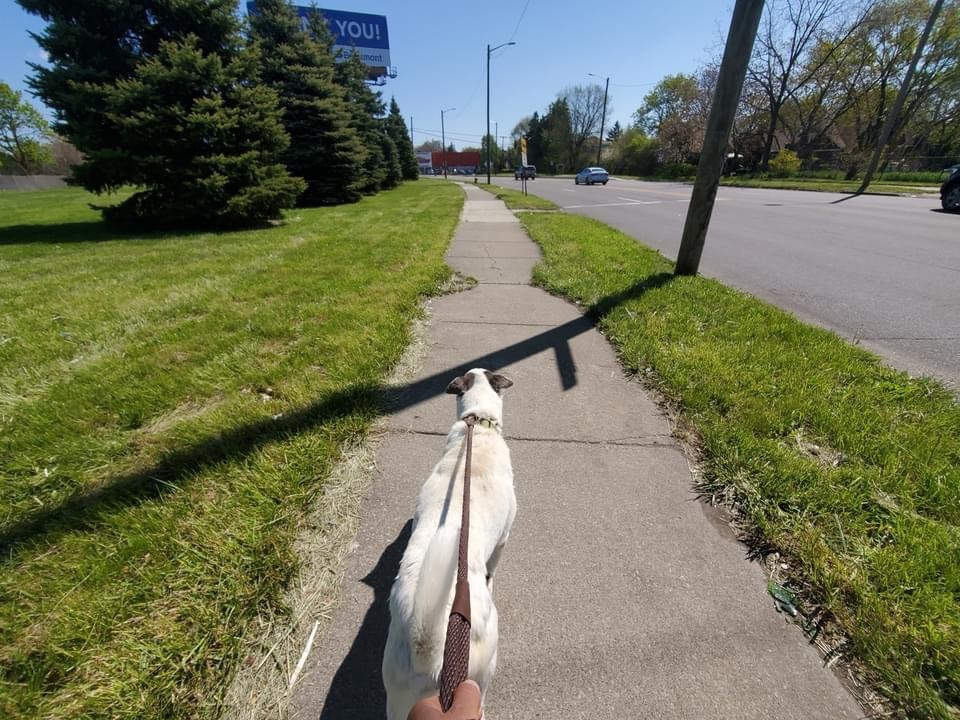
466 705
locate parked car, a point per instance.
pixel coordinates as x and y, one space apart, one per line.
528 172
591 175
950 192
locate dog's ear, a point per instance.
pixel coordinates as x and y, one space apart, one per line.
457 386
499 382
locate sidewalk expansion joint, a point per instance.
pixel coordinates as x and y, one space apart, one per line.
495 322
487 257
637 441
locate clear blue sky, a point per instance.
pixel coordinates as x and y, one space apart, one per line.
439 50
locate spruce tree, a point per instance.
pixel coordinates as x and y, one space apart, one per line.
366 111
202 137
161 95
397 130
324 149
391 160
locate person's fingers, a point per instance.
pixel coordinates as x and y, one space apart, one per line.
466 700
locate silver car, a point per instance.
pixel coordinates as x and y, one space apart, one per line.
591 175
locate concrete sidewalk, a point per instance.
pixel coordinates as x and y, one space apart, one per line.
620 595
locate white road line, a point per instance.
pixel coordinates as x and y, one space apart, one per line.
640 202
593 205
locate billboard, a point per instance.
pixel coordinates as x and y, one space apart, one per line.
362 33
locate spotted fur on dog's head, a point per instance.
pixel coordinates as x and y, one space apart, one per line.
460 385
479 392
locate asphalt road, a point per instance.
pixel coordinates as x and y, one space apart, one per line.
878 270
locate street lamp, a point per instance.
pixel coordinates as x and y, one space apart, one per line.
443 139
603 116
490 50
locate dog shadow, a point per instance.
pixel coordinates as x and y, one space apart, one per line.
356 691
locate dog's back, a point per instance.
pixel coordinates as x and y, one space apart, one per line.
422 595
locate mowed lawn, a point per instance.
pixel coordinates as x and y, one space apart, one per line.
169 406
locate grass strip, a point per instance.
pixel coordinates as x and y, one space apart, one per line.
849 467
839 186
170 405
516 200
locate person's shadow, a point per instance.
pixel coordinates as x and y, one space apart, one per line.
356 691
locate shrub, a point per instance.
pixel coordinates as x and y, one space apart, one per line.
674 171
635 154
785 164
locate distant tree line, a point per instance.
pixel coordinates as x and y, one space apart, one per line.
820 85
212 122
564 138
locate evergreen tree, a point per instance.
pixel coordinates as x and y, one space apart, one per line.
161 95
366 111
397 130
324 149
558 148
202 137
614 133
535 149
391 159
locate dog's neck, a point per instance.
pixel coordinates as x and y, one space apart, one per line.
487 422
485 406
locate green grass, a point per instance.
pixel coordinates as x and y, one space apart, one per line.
169 407
849 467
908 177
826 185
516 200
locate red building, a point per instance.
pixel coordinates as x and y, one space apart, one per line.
459 161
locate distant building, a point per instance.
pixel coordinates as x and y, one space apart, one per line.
463 163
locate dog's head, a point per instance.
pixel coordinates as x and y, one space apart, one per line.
479 392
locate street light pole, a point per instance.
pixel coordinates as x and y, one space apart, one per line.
490 50
443 140
603 116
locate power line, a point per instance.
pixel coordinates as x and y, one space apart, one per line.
465 106
465 137
650 84
517 27
428 131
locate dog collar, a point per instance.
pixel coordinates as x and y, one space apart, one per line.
487 423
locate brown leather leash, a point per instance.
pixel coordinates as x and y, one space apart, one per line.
456 647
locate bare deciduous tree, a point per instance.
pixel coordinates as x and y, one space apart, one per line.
788 30
585 104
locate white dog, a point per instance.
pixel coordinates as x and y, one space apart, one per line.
423 591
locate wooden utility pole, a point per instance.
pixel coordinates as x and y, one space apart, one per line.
733 69
898 103
603 118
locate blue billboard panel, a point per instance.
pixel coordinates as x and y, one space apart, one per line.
353 32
